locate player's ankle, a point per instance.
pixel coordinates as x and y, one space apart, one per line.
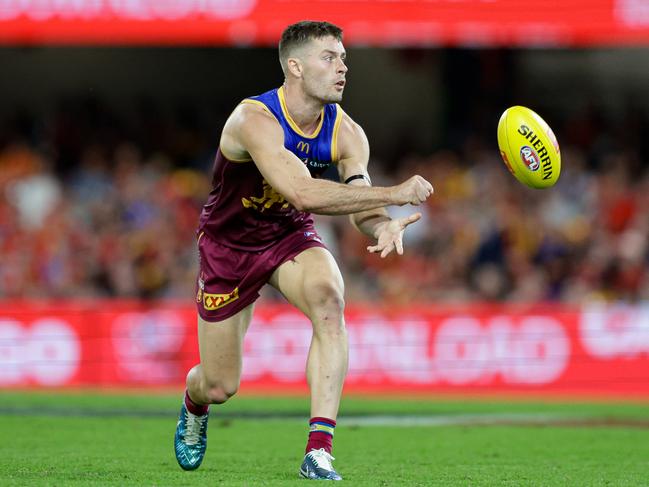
193 407
321 434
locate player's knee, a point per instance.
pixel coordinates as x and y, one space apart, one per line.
325 306
326 301
220 393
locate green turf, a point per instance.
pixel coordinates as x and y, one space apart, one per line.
50 449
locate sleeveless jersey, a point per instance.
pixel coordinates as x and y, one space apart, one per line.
243 211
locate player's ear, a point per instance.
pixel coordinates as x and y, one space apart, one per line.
294 66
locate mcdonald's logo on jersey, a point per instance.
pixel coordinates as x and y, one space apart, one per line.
303 146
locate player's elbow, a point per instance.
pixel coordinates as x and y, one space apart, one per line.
300 200
302 197
306 200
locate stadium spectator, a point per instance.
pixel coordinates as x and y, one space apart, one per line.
82 216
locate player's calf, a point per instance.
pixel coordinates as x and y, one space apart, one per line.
219 394
211 388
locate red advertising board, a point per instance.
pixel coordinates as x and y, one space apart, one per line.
366 22
593 351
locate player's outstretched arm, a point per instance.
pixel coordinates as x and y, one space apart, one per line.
258 133
374 223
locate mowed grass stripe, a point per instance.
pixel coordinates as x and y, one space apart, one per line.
359 418
298 406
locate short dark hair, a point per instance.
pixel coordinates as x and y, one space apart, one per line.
298 34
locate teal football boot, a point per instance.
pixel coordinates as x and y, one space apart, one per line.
190 441
317 466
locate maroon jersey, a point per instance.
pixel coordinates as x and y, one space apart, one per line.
244 212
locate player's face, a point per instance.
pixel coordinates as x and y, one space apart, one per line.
325 69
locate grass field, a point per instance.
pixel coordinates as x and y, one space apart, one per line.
89 438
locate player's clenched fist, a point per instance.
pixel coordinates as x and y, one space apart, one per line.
414 191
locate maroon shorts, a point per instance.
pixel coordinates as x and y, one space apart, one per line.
230 279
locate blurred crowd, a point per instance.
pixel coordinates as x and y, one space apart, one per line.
115 216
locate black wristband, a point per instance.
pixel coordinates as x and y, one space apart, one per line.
358 176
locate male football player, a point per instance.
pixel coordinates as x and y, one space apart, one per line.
257 228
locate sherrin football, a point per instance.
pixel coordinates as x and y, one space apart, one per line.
529 148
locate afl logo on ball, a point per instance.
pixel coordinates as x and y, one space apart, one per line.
530 158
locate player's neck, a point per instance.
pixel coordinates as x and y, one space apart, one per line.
304 110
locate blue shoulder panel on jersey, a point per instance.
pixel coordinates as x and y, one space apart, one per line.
317 150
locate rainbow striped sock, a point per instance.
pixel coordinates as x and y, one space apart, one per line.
321 434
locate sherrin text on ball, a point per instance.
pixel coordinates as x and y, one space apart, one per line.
529 148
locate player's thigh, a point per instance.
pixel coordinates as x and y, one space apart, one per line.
310 280
220 345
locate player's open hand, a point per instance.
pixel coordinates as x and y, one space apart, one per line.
390 235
